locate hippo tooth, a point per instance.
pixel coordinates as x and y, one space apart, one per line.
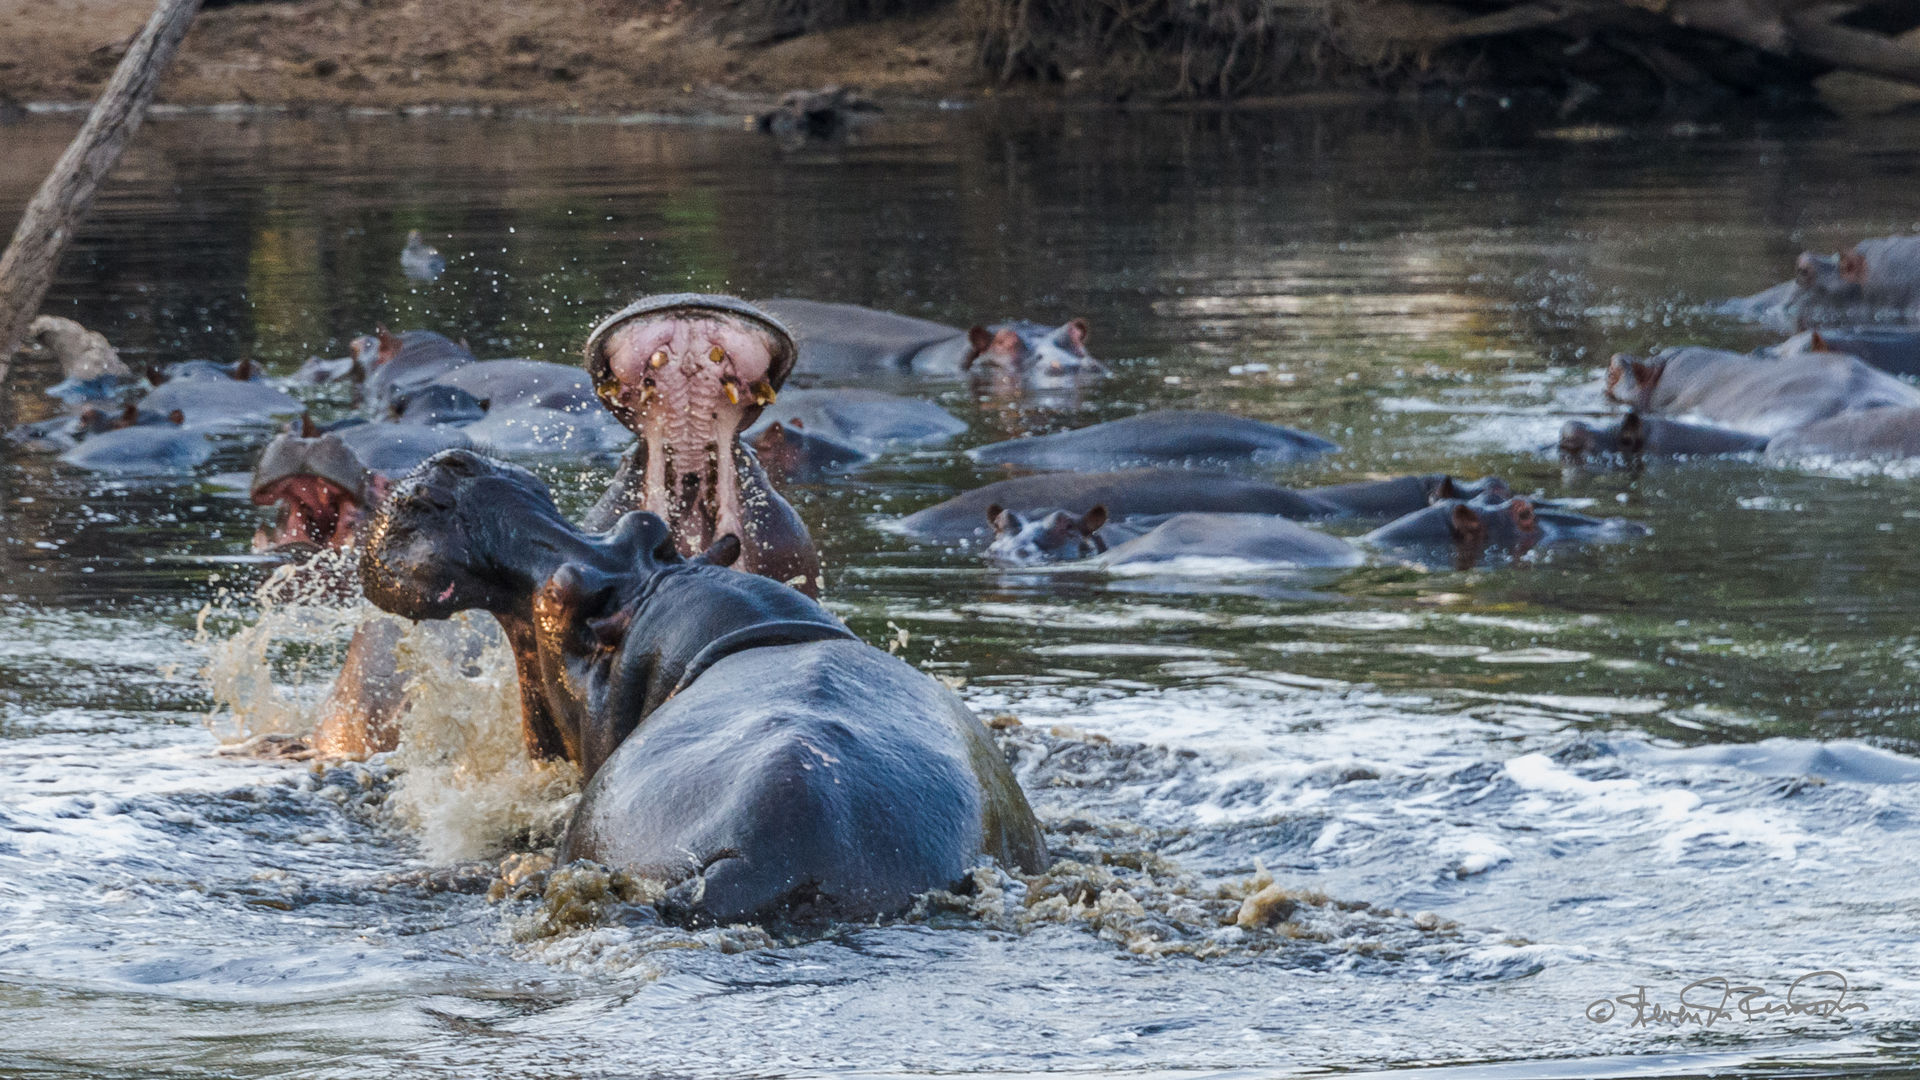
763 392
658 359
732 386
716 354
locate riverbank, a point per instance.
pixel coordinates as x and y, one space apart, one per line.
697 57
589 56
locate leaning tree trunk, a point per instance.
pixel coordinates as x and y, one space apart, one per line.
62 201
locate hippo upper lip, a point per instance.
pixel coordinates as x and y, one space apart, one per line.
601 371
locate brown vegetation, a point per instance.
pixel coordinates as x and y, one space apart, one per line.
740 55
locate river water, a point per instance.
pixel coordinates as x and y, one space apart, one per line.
1494 797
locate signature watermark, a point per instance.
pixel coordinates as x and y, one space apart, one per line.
1706 1002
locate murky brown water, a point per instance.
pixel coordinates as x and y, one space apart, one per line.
1564 762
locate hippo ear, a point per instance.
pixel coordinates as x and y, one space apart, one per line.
1816 343
1523 514
1633 434
155 376
130 415
1447 490
177 418
1003 520
308 429
978 341
1092 520
722 552
389 344
1853 268
1466 526
243 371
1806 269
1075 333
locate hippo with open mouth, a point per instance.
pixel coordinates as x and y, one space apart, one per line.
688 373
737 741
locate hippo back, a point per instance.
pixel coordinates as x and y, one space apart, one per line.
819 779
842 341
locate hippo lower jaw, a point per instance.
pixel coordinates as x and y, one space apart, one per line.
687 385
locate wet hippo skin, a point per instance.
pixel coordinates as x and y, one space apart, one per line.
1165 437
1759 394
846 343
737 741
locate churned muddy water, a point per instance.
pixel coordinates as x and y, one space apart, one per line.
1470 805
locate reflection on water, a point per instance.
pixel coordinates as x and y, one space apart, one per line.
1473 802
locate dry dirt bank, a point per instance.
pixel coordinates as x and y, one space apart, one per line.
584 55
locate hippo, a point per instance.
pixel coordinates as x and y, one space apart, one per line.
1165 437
1243 539
1130 496
221 398
1893 349
1760 395
419 260
144 448
1465 532
736 741
814 114
388 365
1889 433
846 343
866 421
1633 438
62 433
793 453
323 488
687 373
1878 280
241 370
90 367
1130 493
435 403
1058 536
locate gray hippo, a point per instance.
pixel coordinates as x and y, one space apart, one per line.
1879 279
846 343
1464 532
1890 433
220 398
1263 539
866 421
527 407
687 373
794 453
737 742
326 482
1633 438
143 448
384 364
1130 495
1758 394
1165 437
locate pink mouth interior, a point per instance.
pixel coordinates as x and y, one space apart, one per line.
312 511
687 386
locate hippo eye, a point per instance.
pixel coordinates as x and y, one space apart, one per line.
1523 514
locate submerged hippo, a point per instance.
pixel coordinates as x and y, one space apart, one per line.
143 447
1130 495
1879 279
1633 438
737 742
1758 394
687 373
221 398
866 421
1166 437
1464 532
846 343
1890 433
1243 539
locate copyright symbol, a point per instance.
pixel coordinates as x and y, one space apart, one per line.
1600 1011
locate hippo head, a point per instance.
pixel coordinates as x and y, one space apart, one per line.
604 627
436 404
1054 537
1468 529
687 372
1631 381
321 487
1832 278
1452 487
1032 355
1581 443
